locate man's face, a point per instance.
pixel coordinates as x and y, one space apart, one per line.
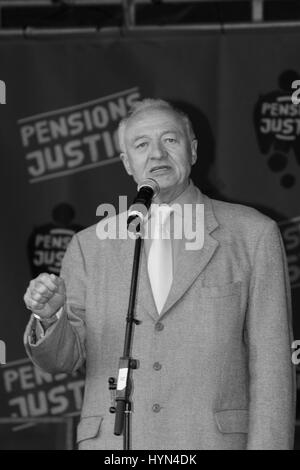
157 146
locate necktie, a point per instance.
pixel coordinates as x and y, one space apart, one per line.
160 263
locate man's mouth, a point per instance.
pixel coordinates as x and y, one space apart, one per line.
160 168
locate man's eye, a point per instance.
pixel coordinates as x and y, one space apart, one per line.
141 145
170 140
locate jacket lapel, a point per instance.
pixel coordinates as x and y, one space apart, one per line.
145 295
191 263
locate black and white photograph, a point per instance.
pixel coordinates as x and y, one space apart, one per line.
150 236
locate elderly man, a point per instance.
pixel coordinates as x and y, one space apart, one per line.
214 342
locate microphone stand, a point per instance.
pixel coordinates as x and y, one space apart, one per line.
123 408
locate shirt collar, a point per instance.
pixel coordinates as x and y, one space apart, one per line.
189 196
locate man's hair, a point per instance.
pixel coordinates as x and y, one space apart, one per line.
150 103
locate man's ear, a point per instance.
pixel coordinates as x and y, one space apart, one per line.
125 161
194 146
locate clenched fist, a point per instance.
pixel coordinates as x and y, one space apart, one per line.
45 295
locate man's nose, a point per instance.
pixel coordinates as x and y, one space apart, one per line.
158 150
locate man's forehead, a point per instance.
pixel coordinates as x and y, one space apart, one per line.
153 119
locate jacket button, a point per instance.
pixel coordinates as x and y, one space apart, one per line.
156 408
157 366
159 326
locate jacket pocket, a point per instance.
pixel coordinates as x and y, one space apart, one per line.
221 291
89 428
232 421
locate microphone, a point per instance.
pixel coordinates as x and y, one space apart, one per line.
147 190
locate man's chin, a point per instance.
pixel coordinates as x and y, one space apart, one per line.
164 180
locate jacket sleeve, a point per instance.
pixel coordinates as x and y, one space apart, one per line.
62 349
269 337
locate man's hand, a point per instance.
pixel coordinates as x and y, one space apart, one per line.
45 295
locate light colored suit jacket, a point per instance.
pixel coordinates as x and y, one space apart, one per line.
215 367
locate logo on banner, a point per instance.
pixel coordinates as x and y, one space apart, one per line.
277 127
290 231
47 243
2 92
29 392
80 137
